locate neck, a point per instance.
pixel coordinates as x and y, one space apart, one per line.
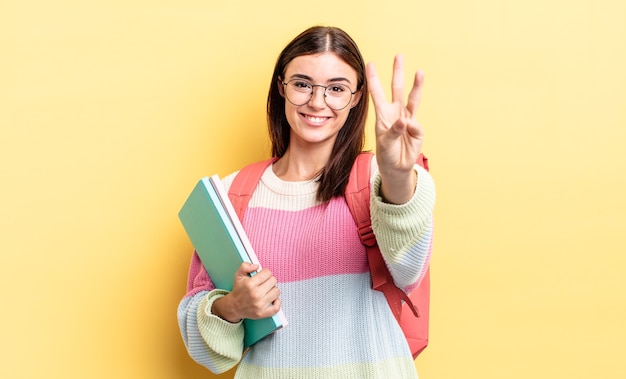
295 166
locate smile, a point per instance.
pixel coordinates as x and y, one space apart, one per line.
315 119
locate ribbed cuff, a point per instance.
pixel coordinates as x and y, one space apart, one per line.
423 198
224 337
399 225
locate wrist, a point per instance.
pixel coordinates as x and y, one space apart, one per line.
398 189
222 308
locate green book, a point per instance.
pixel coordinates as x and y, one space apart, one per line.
222 245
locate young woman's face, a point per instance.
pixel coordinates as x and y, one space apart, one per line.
315 122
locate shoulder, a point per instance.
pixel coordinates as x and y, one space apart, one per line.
253 171
227 181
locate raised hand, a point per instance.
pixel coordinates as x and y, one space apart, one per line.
399 136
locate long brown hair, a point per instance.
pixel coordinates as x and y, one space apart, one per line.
351 137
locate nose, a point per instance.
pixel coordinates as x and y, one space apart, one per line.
318 97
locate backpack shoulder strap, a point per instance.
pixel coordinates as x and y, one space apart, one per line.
358 200
244 184
358 197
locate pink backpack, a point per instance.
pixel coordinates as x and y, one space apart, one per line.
404 307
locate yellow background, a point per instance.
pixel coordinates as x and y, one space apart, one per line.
111 110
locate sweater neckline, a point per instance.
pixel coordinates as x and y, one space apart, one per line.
283 187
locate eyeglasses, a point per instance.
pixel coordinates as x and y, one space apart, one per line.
299 92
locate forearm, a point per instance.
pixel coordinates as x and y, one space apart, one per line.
404 232
223 308
397 187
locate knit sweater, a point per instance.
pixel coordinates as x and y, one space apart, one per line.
338 326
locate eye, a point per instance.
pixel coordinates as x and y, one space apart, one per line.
337 89
301 85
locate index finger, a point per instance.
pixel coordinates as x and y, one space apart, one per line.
376 90
247 268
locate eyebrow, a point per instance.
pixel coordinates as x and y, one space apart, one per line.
331 80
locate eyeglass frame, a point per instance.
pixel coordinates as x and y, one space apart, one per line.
313 92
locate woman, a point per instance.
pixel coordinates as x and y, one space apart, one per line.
303 232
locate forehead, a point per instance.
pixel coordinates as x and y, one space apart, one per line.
322 67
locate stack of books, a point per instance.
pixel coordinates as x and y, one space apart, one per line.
222 245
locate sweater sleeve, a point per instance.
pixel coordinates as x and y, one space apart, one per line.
211 341
404 232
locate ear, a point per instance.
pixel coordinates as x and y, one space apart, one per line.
356 98
281 86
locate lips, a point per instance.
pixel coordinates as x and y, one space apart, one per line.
315 119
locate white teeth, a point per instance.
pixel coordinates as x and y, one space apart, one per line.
316 119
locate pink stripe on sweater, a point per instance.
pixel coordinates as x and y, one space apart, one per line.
287 242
